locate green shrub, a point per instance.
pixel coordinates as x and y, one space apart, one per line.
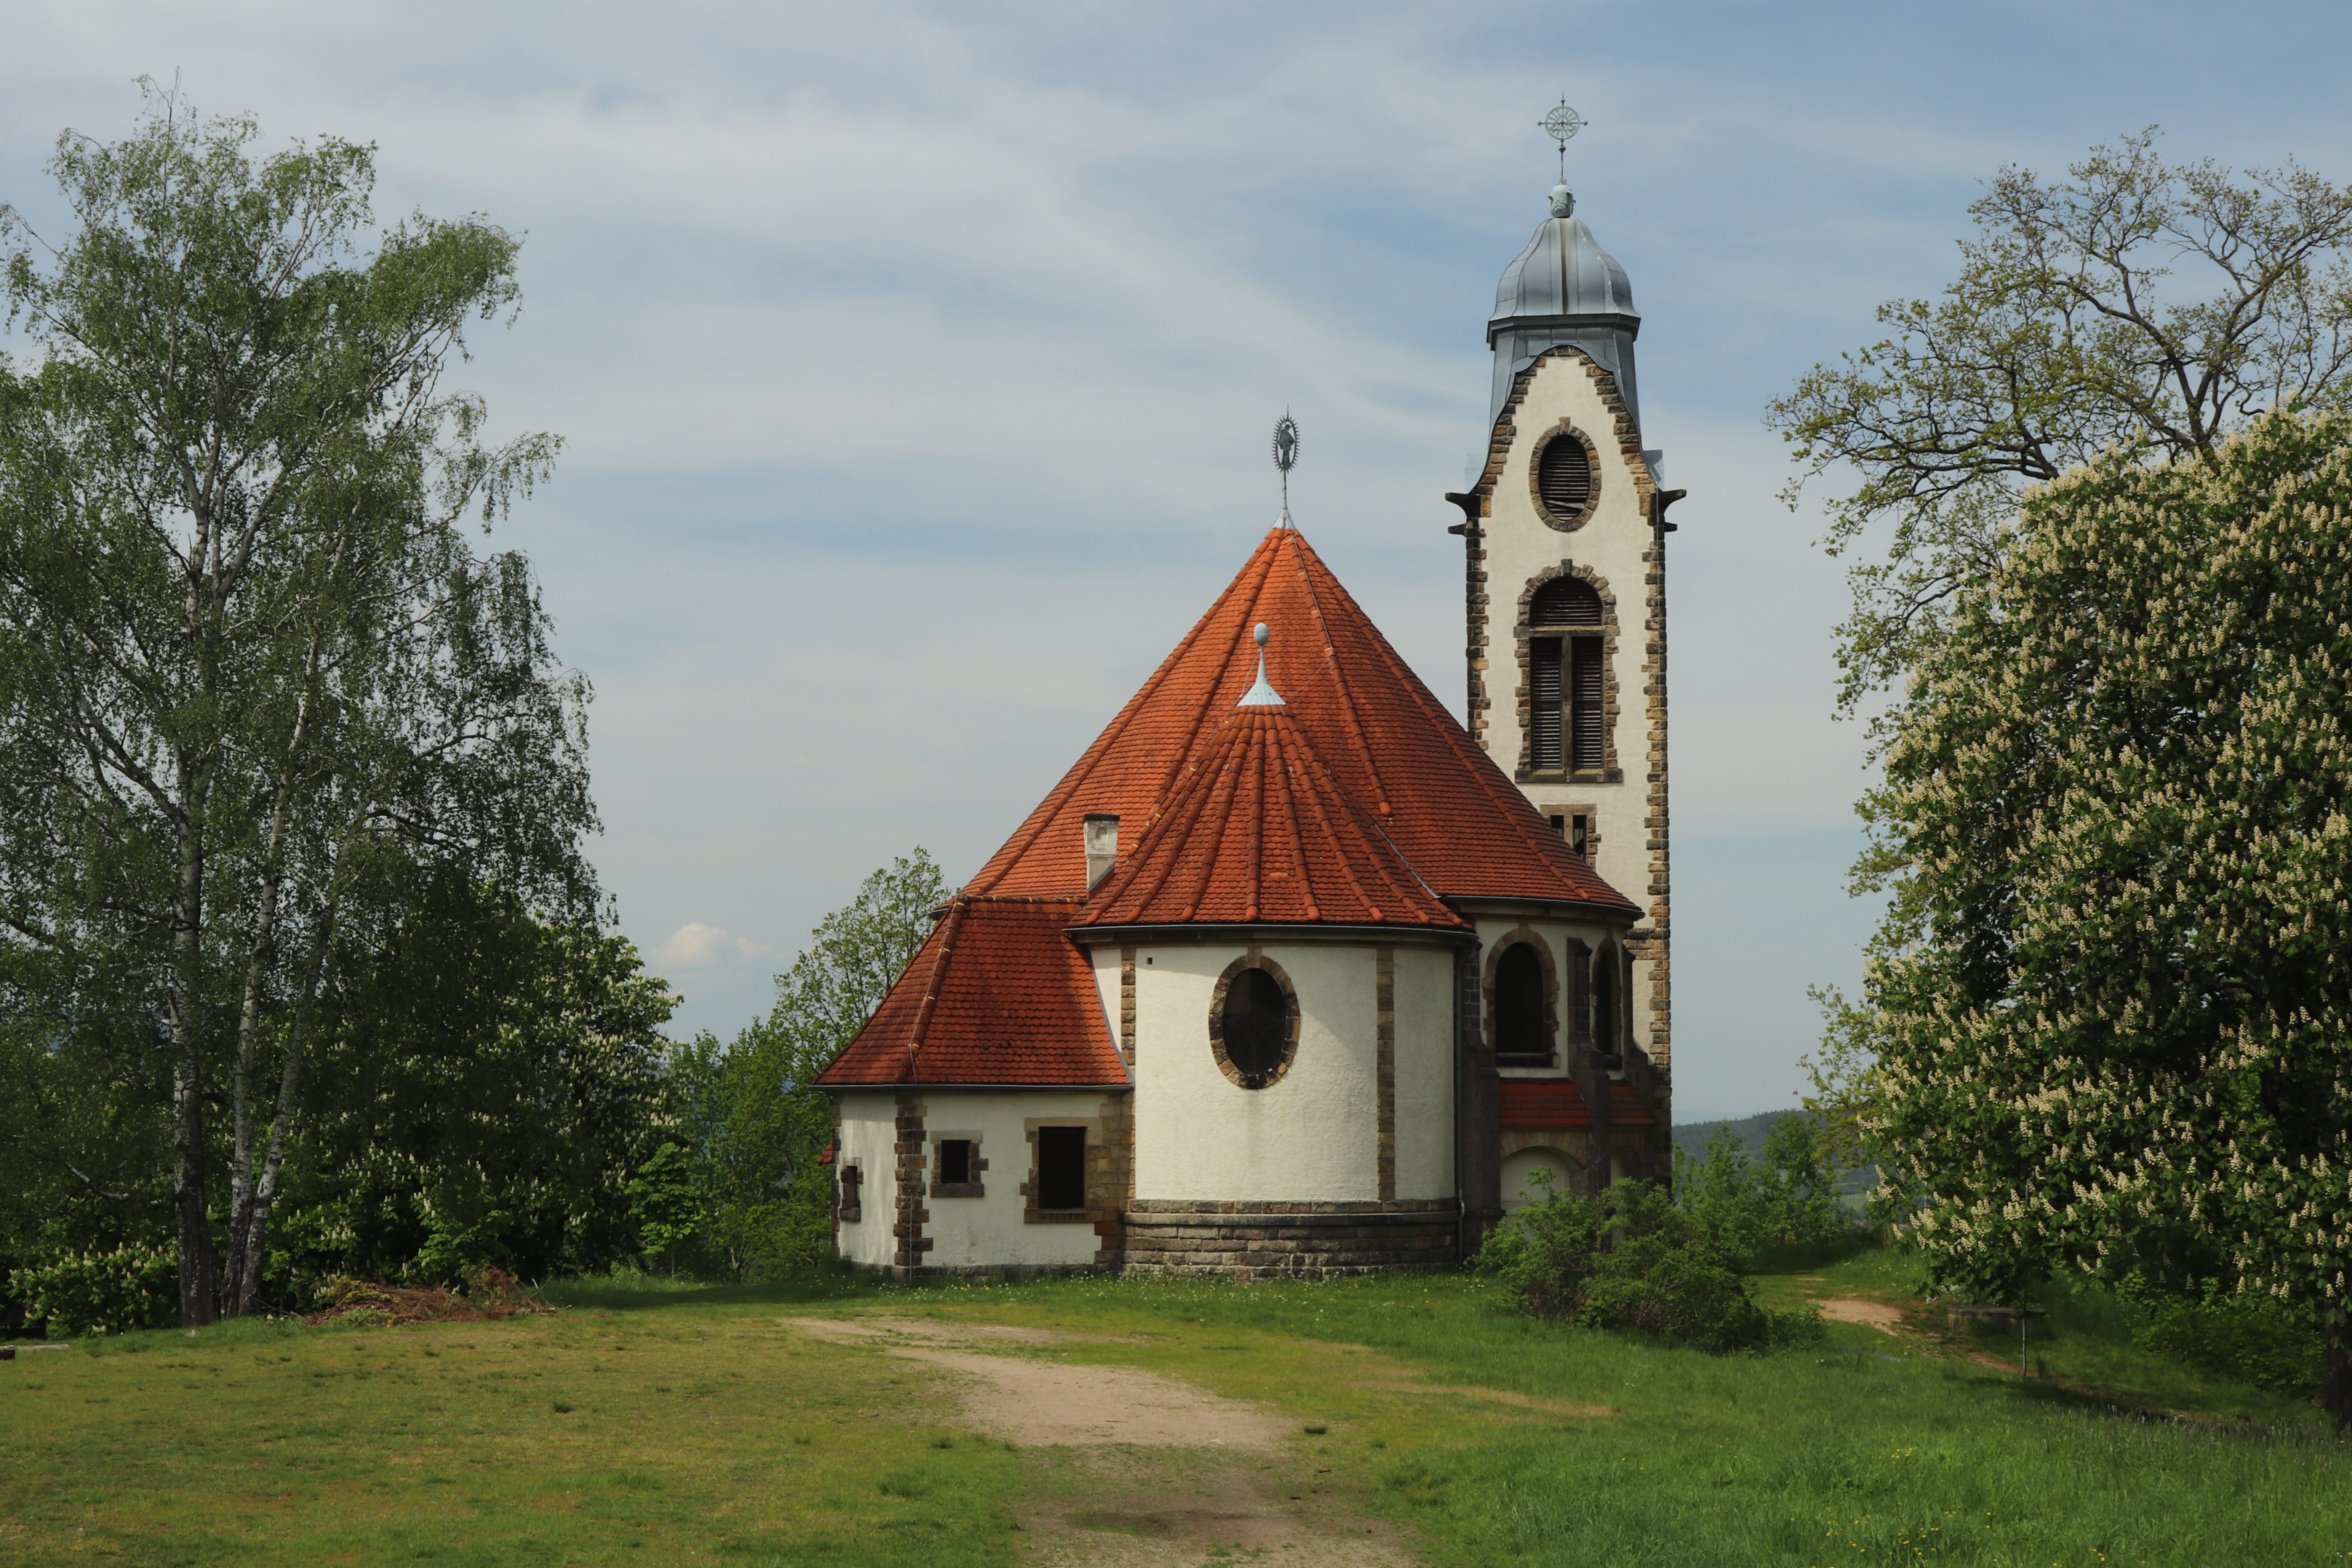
1786 1200
102 1292
2253 1339
1633 1259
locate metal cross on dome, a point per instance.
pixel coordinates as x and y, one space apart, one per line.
1561 125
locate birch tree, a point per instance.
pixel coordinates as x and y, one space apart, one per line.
248 655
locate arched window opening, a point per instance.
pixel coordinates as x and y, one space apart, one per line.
1564 679
1565 602
1256 1026
1564 477
1520 1029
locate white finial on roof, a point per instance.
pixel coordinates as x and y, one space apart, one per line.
1261 695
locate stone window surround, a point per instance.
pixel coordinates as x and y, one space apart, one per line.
974 1188
1030 1213
1610 770
1564 431
1526 935
849 1189
1568 810
1254 958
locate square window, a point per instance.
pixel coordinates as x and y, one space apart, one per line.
1061 1167
955 1161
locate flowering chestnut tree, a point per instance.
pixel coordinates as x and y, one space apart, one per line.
2112 1002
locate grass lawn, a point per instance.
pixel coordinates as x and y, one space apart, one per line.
643 1425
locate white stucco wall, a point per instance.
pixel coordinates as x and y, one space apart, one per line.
1519 1188
1522 546
1314 1134
989 1230
1424 1072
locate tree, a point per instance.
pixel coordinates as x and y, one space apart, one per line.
2135 303
251 672
757 1127
2112 1000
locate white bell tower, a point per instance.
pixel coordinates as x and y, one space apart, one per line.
1565 532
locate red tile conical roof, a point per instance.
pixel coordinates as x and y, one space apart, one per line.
1390 748
1256 832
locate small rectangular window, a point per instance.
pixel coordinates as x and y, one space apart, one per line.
1584 703
1061 1167
1580 836
849 1211
1543 702
955 1161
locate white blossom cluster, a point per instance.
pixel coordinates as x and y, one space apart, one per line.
2113 1002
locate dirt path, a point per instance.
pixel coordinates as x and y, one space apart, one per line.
1886 1318
1218 1480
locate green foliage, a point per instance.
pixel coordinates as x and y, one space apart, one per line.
2251 1339
100 1293
495 1087
2111 1001
256 685
1633 1259
754 1128
2134 302
1788 1198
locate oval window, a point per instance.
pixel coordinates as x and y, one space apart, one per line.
1564 477
1256 1026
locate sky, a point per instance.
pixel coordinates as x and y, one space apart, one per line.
914 365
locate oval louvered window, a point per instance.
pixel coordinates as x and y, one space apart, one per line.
1564 477
1565 602
1256 1027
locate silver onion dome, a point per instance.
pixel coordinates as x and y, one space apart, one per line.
1563 290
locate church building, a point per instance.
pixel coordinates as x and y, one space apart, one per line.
1292 972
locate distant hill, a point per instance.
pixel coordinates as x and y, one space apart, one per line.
1691 1137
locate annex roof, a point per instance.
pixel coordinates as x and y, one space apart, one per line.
996 994
1398 761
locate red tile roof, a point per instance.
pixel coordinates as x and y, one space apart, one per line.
996 994
1391 749
1626 1109
1360 802
1256 832
1544 1102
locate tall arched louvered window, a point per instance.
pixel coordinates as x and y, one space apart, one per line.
1564 477
1564 684
1520 1004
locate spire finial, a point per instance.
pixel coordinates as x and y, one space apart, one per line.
1286 457
1561 125
1261 695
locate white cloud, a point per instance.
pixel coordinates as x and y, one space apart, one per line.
695 945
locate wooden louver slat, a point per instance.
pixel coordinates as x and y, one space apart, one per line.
1543 704
1584 702
1564 476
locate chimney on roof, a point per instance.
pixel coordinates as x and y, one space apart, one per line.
1102 844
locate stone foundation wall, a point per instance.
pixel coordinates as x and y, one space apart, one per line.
1297 1241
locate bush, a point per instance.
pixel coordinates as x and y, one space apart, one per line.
1631 1259
2253 1339
102 1292
1788 1199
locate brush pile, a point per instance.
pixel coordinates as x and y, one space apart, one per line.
490 1293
